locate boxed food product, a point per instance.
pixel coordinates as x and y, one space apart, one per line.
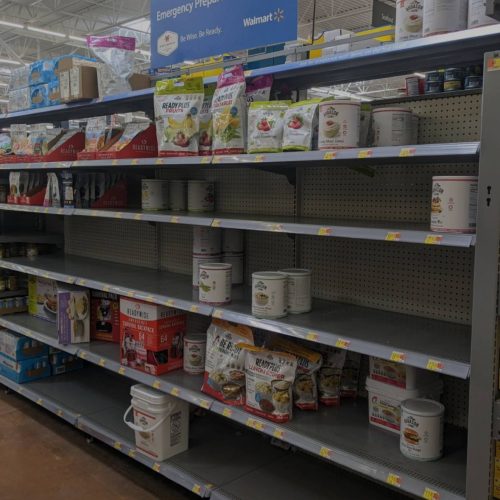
399 375
26 370
54 92
104 316
39 96
19 99
62 362
41 71
224 376
42 298
73 314
19 78
151 336
18 347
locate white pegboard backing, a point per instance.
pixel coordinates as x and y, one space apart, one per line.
122 241
268 252
428 281
54 224
176 248
456 400
396 193
244 190
447 119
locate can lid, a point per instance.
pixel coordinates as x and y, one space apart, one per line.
216 266
392 110
296 272
196 337
423 407
149 394
269 275
339 101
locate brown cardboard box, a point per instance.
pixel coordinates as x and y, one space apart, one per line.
139 82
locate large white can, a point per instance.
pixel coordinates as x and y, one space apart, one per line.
298 290
195 345
206 240
339 124
201 196
444 16
392 126
232 241
409 19
177 195
477 15
269 300
203 259
237 260
154 194
215 284
454 204
421 435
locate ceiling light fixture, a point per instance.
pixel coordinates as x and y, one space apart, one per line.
77 38
46 32
10 61
12 25
4 100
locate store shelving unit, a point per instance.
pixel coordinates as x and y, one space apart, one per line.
436 323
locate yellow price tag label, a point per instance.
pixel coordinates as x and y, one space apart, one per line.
156 467
255 424
170 303
276 228
204 404
60 413
39 401
130 293
407 152
157 384
138 216
159 161
435 365
76 163
82 354
325 452
217 159
194 309
259 158
121 370
218 313
279 434
174 219
134 162
60 211
205 160
94 213
433 239
131 453
493 64
312 336
393 480
175 391
325 231
118 215
342 344
430 494
330 155
398 357
102 362
216 223
114 163
365 153
82 282
196 489
393 236
227 412
106 288
117 445
46 211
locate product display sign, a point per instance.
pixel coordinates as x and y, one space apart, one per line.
183 30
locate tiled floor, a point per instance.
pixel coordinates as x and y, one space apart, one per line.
43 458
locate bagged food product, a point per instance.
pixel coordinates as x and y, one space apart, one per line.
301 120
130 131
265 126
259 89
95 134
224 377
177 113
329 375
229 112
349 382
5 144
206 124
20 140
269 381
305 388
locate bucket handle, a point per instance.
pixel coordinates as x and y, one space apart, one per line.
139 428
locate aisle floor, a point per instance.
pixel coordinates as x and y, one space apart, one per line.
43 458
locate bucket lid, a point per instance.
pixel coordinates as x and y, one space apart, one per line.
423 407
196 337
392 110
296 272
269 275
152 396
216 266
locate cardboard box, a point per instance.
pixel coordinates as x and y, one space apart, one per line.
105 316
73 315
42 298
26 370
62 362
78 83
151 336
139 82
18 347
39 96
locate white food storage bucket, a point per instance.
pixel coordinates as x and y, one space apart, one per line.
203 259
154 194
298 290
269 295
215 283
339 124
384 401
206 240
392 126
161 422
177 195
477 15
409 19
201 196
444 16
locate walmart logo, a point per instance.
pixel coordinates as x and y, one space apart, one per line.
277 16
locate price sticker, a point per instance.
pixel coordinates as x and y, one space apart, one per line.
106 288
205 160
170 303
156 467
398 357
227 412
114 163
435 365
60 211
174 219
138 216
131 453
342 344
393 237
365 153
259 158
175 391
81 282
325 231
279 434
157 384
204 404
60 413
102 362
255 424
330 155
94 213
218 313
407 152
76 163
433 239
117 445
196 489
159 161
430 494
312 336
82 354
216 223
39 401
393 480
216 159
130 293
46 211
276 228
325 452
134 162
118 215
493 64
194 309
121 370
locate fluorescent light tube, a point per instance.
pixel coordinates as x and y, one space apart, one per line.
46 32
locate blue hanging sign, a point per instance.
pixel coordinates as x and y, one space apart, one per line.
183 30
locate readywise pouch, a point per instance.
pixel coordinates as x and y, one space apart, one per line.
229 112
305 388
95 134
265 126
206 124
269 381
130 131
329 375
300 121
224 377
177 113
349 383
259 89
21 145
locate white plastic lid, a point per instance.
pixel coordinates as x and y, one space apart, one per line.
149 394
392 110
394 392
296 272
196 337
339 101
423 407
269 275
216 266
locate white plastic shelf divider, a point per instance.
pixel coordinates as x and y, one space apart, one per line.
430 344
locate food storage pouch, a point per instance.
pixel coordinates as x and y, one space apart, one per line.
229 112
206 125
349 382
305 388
269 381
95 134
130 131
5 144
178 104
265 126
259 89
301 119
224 377
329 375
